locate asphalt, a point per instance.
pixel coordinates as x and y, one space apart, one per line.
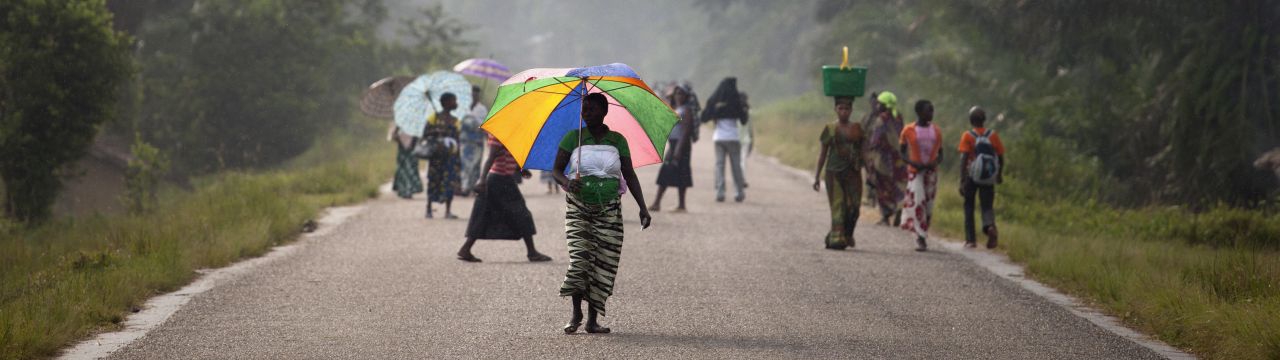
725 280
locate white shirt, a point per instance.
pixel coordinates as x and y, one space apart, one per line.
726 130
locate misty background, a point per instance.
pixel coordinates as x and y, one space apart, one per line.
1163 102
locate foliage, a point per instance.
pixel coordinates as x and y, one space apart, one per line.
142 179
251 83
69 278
60 63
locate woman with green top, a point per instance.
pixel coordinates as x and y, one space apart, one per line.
841 156
600 162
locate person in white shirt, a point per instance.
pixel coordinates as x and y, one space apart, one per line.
726 109
473 142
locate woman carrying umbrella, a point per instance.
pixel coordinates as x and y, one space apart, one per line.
442 171
593 222
407 181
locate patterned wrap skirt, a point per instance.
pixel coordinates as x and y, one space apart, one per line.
594 235
407 180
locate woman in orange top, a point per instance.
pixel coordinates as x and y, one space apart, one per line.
922 148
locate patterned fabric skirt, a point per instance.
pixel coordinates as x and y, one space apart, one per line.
472 159
443 177
594 234
917 211
407 180
888 176
499 212
677 173
844 191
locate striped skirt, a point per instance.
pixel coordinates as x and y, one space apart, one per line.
594 234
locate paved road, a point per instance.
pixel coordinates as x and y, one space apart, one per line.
725 280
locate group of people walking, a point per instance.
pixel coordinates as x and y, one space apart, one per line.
900 163
593 166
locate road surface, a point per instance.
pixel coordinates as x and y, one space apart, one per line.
725 280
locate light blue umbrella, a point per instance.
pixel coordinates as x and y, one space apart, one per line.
421 98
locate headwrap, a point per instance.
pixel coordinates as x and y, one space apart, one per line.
889 101
725 103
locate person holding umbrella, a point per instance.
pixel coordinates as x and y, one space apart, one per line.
442 170
593 223
539 115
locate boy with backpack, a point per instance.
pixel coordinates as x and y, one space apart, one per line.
981 160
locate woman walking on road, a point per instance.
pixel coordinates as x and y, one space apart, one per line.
922 147
841 155
886 167
499 212
472 142
407 180
442 171
593 221
725 108
676 171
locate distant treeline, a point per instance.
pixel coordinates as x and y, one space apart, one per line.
237 83
204 86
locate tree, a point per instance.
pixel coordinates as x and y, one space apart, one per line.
60 64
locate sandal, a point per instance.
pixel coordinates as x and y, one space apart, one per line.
539 258
596 329
469 258
572 327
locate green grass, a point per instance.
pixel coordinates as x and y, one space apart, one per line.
1208 282
69 278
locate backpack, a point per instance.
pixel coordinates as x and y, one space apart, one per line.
986 164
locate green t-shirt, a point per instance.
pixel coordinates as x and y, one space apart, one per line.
597 190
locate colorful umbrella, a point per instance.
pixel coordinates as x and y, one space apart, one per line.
421 99
380 98
536 108
486 68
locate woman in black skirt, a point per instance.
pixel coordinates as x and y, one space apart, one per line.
499 212
676 171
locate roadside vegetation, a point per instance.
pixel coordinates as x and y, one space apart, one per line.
1131 130
1207 281
69 278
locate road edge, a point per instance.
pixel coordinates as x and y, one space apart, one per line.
999 264
158 309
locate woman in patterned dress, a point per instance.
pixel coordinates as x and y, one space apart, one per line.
443 176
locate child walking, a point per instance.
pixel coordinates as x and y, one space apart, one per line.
981 168
922 148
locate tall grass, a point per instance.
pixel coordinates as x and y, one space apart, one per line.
1204 281
69 278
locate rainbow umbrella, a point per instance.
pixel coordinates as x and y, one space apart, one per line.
536 108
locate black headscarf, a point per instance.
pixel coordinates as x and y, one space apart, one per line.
725 102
